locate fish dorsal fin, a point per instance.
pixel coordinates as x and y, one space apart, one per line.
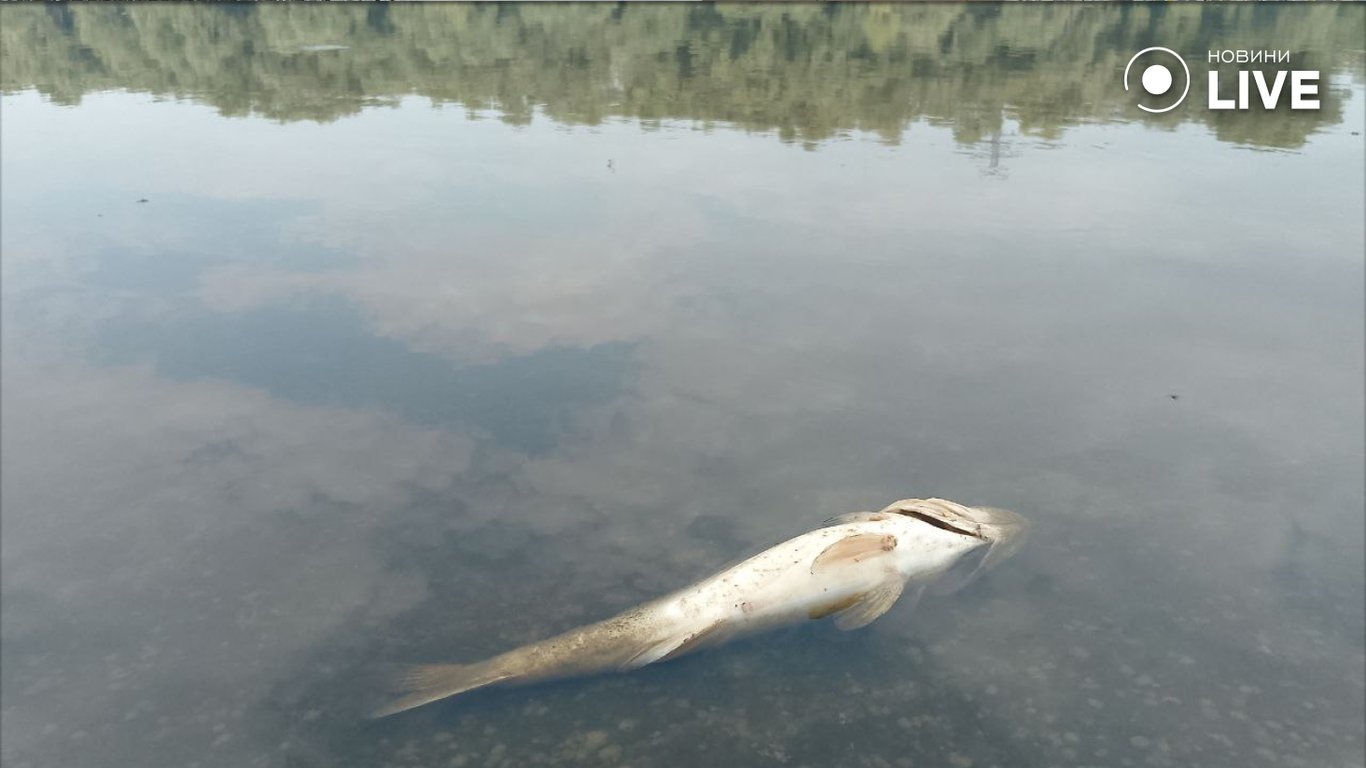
672 647
855 517
853 549
871 605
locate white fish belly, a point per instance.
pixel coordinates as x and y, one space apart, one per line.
777 587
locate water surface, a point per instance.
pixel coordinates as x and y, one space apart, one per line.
337 339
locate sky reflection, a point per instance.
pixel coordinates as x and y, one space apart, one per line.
412 386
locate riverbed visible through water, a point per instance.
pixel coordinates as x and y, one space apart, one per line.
338 339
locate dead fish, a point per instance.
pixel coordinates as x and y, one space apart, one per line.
852 569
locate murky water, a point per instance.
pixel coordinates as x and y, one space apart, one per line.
340 339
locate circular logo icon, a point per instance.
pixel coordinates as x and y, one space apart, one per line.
1156 79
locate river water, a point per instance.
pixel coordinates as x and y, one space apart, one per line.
339 339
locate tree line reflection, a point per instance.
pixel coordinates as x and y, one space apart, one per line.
807 72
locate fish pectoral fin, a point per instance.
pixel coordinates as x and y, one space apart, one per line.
854 517
673 646
871 605
853 549
834 606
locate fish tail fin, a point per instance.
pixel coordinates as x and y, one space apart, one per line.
425 683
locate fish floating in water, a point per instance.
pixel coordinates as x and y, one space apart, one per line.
853 569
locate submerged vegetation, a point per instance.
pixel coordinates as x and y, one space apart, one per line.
808 72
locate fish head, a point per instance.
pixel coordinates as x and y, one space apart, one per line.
999 533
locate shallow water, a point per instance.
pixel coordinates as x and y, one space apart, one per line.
340 339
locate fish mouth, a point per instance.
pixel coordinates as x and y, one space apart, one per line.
1009 532
942 514
989 523
1002 530
943 524
1005 523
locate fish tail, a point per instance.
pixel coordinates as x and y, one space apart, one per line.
622 642
425 683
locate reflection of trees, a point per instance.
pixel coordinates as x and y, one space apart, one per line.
808 71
